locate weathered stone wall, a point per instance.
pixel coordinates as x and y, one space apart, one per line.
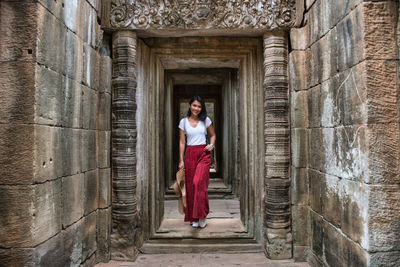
55 70
345 133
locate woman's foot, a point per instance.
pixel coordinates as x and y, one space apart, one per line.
202 223
195 224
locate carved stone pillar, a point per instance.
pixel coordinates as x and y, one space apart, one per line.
277 152
124 133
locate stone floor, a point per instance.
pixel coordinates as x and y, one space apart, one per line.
209 260
219 209
222 221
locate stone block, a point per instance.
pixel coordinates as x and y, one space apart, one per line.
89 262
91 191
309 3
334 11
103 231
70 151
103 149
327 53
73 198
49 96
299 37
314 109
330 197
51 47
314 19
383 154
30 214
346 152
104 188
105 71
332 107
383 218
91 69
16 219
16 257
88 150
300 221
349 37
299 148
104 111
48 162
89 245
51 252
300 185
382 259
55 7
16 153
300 253
57 152
380 29
17 89
73 56
72 15
316 148
58 99
315 63
316 189
299 109
354 203
17 31
90 100
72 243
382 91
91 29
317 234
341 251
354 98
47 212
72 105
299 70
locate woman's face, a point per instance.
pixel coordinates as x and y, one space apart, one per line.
195 108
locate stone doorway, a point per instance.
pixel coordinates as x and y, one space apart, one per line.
141 89
234 65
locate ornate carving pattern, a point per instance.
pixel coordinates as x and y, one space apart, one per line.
124 206
277 154
203 14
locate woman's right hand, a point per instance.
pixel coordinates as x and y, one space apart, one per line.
181 165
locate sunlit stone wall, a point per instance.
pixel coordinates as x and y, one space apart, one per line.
345 133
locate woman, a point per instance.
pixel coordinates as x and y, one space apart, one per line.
197 160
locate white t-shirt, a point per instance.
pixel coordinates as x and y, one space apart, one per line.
195 136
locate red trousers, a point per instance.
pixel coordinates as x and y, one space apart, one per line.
197 178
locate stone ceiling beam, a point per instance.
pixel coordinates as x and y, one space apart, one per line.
202 17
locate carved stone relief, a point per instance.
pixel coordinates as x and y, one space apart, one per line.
203 14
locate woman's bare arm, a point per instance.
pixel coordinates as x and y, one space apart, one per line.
211 133
182 143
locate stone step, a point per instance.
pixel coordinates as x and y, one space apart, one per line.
193 246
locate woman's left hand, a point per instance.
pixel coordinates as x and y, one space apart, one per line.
209 148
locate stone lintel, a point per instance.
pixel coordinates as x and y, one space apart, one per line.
209 17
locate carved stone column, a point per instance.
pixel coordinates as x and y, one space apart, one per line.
277 222
124 133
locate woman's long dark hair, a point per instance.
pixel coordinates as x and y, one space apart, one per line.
203 113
